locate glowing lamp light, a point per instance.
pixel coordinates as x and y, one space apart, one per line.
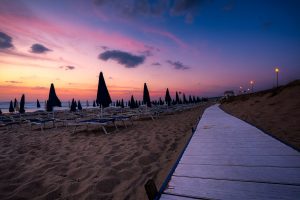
276 69
251 82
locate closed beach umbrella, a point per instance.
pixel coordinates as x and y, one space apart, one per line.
146 96
11 107
103 97
79 105
94 104
73 106
184 99
15 103
190 99
38 105
22 104
177 98
168 98
132 102
122 103
87 103
53 99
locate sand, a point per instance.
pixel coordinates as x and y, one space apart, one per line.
276 111
90 164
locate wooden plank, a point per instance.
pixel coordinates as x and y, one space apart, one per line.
275 161
243 173
195 150
222 189
230 159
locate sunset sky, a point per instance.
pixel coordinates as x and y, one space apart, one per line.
198 47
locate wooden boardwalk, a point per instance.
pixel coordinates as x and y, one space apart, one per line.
230 159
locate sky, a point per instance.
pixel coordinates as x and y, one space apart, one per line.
197 47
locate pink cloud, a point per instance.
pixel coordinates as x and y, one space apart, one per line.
168 35
49 33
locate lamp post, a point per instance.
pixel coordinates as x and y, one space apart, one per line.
252 85
277 72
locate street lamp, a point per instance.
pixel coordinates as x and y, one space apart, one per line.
277 72
241 89
252 85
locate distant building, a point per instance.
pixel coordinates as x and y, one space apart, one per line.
228 93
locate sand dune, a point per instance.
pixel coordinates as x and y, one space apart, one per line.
275 111
91 165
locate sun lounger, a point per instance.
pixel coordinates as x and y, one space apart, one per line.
122 118
99 122
40 122
7 122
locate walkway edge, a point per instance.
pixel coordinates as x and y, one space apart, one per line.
167 180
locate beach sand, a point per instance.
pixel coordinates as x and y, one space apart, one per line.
276 111
90 164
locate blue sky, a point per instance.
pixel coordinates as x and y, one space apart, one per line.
200 47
